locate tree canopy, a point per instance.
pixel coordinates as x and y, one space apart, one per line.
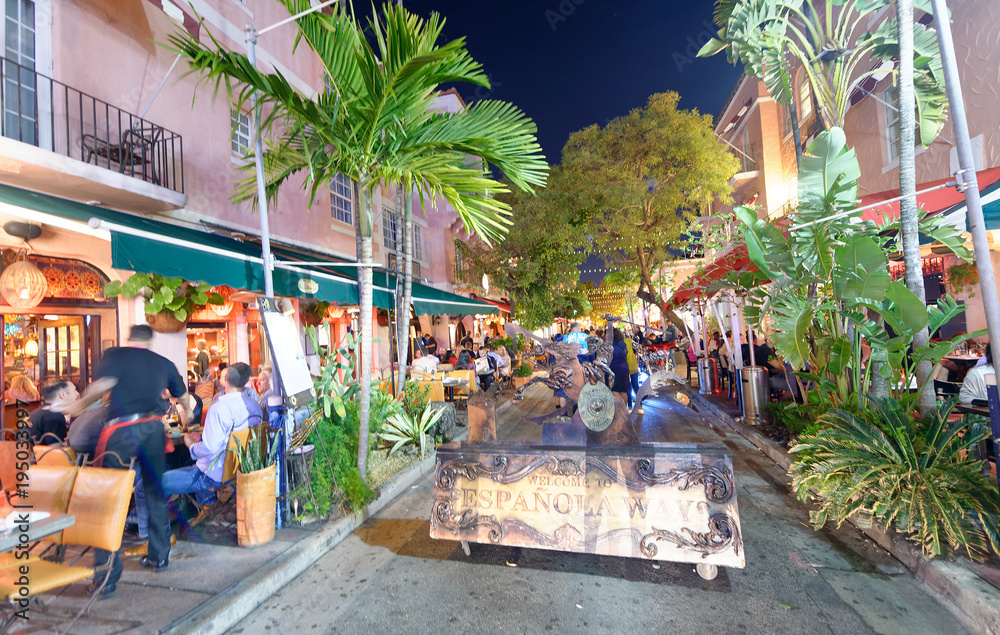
536 264
641 180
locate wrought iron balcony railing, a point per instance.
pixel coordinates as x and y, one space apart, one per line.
46 113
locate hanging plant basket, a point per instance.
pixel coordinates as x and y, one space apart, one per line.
312 312
382 316
165 322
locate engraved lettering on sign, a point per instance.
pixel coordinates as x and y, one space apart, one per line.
667 505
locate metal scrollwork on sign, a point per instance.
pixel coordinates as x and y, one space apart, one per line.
444 514
470 470
722 534
566 467
718 483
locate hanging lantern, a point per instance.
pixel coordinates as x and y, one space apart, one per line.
334 312
22 285
224 309
31 348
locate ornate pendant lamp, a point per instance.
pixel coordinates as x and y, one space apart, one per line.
222 310
22 285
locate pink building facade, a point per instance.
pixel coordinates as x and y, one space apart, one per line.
94 113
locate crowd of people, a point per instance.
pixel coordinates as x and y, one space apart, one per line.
120 420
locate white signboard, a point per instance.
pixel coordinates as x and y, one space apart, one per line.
286 351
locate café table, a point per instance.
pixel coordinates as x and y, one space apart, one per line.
964 364
10 539
451 385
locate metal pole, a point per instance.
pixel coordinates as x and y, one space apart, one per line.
967 181
265 232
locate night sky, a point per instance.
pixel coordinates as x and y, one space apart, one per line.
572 63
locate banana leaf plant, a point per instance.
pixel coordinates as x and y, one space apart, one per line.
830 287
832 42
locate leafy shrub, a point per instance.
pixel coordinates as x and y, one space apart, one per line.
415 398
524 370
916 474
402 430
336 443
174 295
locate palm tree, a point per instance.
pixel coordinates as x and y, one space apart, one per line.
376 126
831 45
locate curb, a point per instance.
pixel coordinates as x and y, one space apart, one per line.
975 602
230 605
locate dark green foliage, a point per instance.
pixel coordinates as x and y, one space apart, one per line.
258 453
916 474
176 295
415 398
339 438
524 370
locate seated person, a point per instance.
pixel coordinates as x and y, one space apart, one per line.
504 363
265 387
765 357
86 429
232 412
22 389
465 359
48 423
486 366
974 386
426 364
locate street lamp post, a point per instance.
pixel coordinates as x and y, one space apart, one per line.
277 406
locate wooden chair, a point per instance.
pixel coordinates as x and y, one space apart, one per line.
99 501
49 490
8 467
54 455
227 487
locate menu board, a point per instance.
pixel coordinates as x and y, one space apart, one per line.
287 354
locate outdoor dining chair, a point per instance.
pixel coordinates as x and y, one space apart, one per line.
99 502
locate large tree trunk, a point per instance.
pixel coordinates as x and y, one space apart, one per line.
908 188
365 326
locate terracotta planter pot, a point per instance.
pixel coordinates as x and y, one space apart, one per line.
520 381
165 323
255 503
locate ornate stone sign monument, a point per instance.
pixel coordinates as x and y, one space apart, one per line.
591 487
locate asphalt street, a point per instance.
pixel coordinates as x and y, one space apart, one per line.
391 577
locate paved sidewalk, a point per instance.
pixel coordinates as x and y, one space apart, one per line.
209 578
390 577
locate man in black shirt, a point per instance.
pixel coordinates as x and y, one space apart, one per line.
139 376
48 423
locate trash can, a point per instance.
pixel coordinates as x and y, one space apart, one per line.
708 376
754 392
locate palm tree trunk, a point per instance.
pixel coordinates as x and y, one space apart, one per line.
407 268
404 286
365 326
908 188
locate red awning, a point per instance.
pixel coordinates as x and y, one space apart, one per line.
933 202
734 259
503 306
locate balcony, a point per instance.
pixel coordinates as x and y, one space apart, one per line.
62 141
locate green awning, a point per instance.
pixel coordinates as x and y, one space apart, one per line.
430 301
146 245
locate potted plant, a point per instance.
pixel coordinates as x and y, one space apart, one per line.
168 301
312 312
255 493
522 374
